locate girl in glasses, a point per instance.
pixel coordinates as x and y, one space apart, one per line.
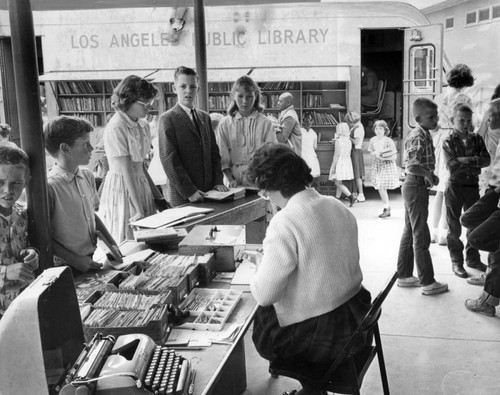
126 193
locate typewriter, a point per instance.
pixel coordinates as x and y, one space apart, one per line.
42 335
131 364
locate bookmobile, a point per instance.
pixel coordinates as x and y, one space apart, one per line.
313 50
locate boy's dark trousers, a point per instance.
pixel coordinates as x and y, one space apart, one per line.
483 221
416 238
458 197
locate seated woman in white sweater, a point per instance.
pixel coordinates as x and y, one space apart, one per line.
308 280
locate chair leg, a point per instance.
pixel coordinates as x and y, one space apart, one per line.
381 363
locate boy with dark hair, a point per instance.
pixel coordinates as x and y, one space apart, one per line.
188 150
17 259
465 155
72 194
419 164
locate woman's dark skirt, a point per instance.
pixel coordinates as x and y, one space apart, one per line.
358 164
317 340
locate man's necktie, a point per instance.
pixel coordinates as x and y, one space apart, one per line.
195 121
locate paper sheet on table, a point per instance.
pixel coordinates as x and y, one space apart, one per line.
201 338
135 257
225 238
169 216
244 273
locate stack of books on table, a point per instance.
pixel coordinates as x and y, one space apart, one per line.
232 194
165 236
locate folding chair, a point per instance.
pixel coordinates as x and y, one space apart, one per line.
371 112
345 375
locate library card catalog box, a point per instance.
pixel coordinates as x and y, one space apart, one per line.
123 312
40 335
226 242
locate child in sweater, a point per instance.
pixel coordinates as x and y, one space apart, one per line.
341 168
465 154
385 173
242 131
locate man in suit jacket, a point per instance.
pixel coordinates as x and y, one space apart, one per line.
188 150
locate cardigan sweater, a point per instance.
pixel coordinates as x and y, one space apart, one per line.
311 259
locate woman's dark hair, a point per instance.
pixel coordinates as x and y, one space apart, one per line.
460 76
496 93
277 167
130 90
248 85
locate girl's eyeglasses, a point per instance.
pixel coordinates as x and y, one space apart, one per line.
147 106
263 194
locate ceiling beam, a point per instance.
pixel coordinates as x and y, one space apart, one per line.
53 5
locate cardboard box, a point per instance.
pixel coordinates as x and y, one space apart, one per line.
206 269
157 329
325 186
226 242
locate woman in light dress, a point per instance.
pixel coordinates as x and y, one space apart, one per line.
309 146
341 169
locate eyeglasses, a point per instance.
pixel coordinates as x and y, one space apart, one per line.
147 106
263 194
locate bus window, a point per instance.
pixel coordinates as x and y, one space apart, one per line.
422 68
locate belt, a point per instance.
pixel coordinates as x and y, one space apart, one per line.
465 185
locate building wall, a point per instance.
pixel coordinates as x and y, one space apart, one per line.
475 45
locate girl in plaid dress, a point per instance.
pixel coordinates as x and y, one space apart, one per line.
385 173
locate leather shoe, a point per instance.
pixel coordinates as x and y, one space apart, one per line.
477 265
459 271
477 280
386 213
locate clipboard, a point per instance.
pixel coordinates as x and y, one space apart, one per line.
171 217
113 249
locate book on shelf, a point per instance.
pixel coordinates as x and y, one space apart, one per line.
312 100
171 101
322 118
279 86
220 102
232 194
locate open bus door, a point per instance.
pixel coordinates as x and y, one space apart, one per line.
422 76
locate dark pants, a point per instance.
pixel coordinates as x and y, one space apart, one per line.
458 198
416 239
483 220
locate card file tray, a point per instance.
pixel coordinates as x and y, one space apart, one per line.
209 308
